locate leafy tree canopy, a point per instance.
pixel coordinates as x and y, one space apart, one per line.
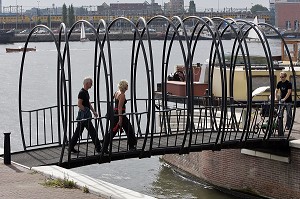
64 14
71 16
256 8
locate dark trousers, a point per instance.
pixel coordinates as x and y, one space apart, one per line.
91 130
127 127
288 107
289 116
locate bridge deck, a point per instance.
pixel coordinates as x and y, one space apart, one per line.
161 145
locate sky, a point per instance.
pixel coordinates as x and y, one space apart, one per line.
200 4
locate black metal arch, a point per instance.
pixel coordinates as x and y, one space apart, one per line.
229 123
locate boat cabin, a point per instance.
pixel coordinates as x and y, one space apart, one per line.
178 87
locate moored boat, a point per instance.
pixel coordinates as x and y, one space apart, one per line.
20 49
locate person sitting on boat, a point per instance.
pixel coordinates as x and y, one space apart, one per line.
120 121
84 113
285 89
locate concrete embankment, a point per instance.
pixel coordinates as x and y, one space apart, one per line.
20 38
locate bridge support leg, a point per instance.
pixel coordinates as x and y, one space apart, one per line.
7 155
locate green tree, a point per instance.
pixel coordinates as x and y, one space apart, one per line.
258 8
71 16
64 14
192 7
48 21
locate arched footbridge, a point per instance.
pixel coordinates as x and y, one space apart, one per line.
218 118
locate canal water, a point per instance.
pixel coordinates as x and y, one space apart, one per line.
153 177
149 176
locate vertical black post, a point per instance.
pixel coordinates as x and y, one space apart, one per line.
7 156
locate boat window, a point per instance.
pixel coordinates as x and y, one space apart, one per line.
259 81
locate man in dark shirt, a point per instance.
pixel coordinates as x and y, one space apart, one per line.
85 108
285 88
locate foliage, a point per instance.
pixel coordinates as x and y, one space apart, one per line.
86 189
49 20
64 14
71 15
192 7
62 183
39 21
258 8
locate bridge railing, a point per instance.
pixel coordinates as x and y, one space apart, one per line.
41 127
207 121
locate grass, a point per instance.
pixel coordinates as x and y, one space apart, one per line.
61 183
86 189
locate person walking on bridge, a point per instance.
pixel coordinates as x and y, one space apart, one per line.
84 113
285 89
120 121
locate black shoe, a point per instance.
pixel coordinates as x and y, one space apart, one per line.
105 151
98 149
132 148
74 150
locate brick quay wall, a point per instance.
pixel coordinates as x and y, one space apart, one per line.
245 170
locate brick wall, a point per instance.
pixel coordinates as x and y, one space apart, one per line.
287 12
233 170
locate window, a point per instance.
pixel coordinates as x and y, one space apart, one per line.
258 81
296 25
288 25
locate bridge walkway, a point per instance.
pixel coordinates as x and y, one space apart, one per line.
161 145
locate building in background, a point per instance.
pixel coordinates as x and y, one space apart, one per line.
129 9
287 15
174 7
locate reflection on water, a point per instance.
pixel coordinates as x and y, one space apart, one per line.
153 177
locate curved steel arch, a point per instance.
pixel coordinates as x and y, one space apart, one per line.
264 42
59 76
232 66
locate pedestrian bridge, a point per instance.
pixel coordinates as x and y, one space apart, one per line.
163 123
